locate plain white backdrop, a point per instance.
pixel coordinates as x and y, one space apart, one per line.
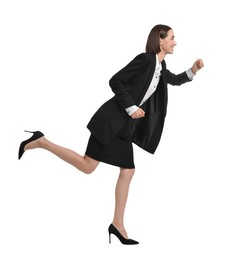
56 58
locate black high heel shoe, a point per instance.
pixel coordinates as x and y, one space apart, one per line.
123 240
36 135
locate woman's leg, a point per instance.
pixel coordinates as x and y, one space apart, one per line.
82 163
121 194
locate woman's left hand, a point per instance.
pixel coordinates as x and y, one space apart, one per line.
198 64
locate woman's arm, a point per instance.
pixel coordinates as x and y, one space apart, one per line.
182 78
120 79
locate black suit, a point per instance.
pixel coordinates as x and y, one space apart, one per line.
129 86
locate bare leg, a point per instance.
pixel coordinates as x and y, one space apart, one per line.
121 194
82 163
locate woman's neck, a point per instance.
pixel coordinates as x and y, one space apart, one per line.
161 56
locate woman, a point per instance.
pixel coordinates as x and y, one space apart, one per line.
135 114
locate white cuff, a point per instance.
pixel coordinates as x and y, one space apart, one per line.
132 109
190 74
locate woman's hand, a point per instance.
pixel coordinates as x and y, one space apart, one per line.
138 114
198 64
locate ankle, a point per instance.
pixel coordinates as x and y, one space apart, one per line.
120 227
35 144
118 223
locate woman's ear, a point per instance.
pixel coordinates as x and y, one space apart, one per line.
160 43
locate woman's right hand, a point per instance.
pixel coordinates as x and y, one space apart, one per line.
138 113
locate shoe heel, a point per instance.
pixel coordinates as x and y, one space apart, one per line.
109 238
29 131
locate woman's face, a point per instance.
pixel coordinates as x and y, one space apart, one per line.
167 44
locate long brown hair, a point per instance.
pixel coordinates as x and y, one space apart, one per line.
157 32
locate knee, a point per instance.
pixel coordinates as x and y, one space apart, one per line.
89 165
88 171
127 172
131 171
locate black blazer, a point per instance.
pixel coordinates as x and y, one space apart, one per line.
129 86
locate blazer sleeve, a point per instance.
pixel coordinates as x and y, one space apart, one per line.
121 79
178 79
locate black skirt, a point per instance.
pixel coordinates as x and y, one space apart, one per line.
119 152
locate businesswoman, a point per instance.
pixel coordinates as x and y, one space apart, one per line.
135 114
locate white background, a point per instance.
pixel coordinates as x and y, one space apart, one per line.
56 58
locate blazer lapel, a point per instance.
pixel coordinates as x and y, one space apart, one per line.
148 75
